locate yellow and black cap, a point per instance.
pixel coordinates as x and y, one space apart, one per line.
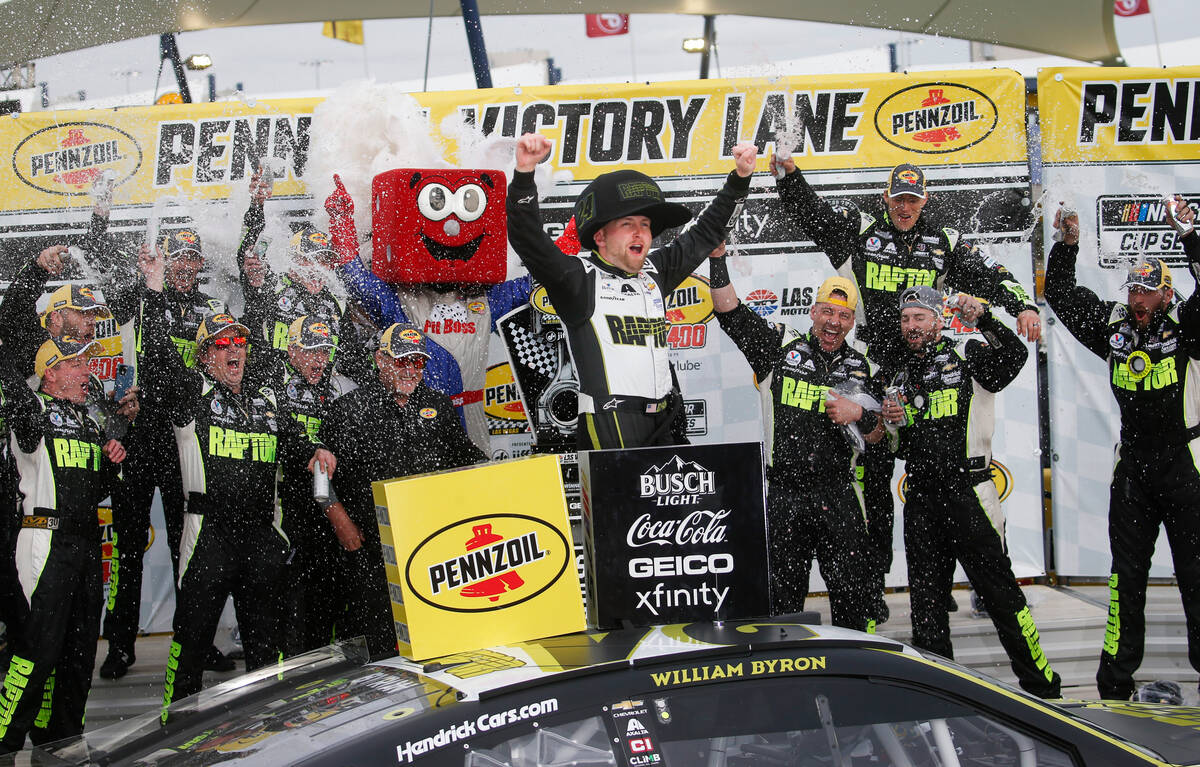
310 332
625 193
75 297
214 324
176 242
311 244
1151 274
826 293
56 350
906 178
401 340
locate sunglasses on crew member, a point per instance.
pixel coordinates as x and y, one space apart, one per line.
225 341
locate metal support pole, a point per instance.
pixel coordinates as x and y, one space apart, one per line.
893 58
212 87
710 39
169 51
479 59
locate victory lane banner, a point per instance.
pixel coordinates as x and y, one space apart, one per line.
466 572
675 534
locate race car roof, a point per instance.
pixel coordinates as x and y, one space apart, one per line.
1078 29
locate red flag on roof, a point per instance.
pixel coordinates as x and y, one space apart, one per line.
1131 7
607 24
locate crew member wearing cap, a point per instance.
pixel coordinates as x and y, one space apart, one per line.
66 468
612 301
231 441
276 302
885 250
946 423
811 386
153 462
307 384
391 427
1151 344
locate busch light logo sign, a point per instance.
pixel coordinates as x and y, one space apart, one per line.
677 483
675 534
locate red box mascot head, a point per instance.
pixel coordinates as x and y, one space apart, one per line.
439 225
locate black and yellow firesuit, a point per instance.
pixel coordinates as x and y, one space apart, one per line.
866 247
230 446
812 509
63 477
1153 374
947 442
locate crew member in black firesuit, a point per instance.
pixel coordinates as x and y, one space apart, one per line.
313 591
66 468
303 290
947 422
391 427
612 302
153 461
231 440
1151 344
812 509
894 247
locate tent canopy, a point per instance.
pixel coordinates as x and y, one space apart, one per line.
1078 29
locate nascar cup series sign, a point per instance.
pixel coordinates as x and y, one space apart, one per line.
465 573
675 534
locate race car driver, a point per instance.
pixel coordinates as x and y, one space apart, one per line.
946 436
1151 344
231 440
884 252
66 468
612 302
392 427
812 509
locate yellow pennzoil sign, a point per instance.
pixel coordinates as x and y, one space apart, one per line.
1119 114
206 151
469 569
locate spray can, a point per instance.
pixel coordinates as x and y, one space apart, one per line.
320 484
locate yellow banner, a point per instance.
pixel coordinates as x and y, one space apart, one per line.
204 151
1119 114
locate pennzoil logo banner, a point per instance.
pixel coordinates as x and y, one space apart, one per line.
1119 114
682 129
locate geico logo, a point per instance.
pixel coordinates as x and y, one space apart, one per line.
692 564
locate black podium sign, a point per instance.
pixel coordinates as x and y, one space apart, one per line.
675 534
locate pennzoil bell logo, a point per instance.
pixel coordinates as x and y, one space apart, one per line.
936 118
487 563
65 159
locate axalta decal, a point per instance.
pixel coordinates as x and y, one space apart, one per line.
716 671
689 307
487 563
540 301
1002 478
936 118
65 159
408 751
502 401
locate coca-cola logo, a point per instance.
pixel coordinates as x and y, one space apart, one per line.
698 527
